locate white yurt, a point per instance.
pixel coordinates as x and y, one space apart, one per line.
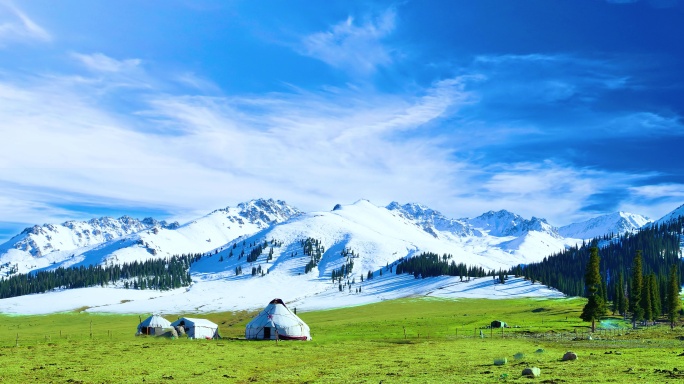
277 321
154 325
198 328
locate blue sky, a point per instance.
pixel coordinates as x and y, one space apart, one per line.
173 108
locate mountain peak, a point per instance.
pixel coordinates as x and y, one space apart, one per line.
506 223
429 219
42 239
267 210
616 223
676 213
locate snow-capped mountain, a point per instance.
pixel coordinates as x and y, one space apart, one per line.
383 236
41 240
615 223
249 270
262 249
432 221
676 213
504 223
136 240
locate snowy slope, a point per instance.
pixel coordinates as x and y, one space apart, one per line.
40 246
274 234
208 233
149 240
616 223
504 223
672 215
432 221
41 240
255 293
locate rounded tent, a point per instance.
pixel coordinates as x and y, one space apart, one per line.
276 321
154 325
197 328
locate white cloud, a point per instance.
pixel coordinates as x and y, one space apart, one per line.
192 154
199 153
352 46
99 62
659 190
17 26
645 124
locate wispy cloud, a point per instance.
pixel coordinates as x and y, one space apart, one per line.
659 191
189 154
204 152
563 190
652 3
555 97
99 62
352 45
16 26
646 124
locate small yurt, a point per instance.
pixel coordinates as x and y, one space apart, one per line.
277 321
154 325
197 328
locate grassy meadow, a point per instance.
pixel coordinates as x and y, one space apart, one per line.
408 340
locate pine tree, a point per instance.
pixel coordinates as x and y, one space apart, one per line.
595 307
604 291
674 303
635 305
646 300
622 303
656 310
616 298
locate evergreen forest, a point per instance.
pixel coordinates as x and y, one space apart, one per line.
659 247
159 274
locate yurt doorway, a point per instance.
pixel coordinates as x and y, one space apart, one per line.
267 332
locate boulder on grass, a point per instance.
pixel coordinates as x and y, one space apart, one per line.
500 361
569 356
531 372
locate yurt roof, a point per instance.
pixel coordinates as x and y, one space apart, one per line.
276 313
195 322
155 321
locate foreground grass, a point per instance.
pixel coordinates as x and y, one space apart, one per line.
411 340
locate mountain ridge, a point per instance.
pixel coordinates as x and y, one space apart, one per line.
265 247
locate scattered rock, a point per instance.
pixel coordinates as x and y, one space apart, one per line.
500 361
569 356
540 350
531 372
519 356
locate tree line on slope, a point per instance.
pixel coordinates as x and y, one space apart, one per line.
659 246
429 264
160 274
641 298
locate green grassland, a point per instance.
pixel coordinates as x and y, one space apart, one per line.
408 340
